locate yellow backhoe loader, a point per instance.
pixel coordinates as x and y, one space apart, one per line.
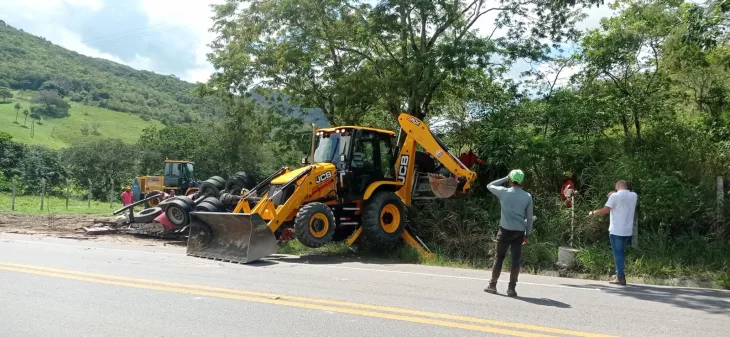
357 180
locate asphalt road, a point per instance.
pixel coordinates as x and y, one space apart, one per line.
57 287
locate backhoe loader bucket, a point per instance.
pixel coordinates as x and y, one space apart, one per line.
443 187
230 237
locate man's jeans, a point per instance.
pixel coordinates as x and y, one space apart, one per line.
618 244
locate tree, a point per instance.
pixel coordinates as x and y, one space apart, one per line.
50 104
12 155
101 162
698 60
627 53
5 94
40 163
53 86
346 57
17 111
35 118
26 113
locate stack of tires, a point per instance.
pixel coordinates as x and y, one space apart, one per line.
178 208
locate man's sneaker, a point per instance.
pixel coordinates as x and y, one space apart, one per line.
511 292
492 288
619 280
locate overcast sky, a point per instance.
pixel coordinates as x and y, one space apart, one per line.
164 36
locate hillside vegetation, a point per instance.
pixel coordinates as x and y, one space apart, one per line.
57 133
28 61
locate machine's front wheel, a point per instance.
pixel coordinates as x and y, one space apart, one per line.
383 219
314 224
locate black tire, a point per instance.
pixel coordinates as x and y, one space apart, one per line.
154 202
314 224
383 219
238 181
147 214
188 200
206 207
221 182
178 213
234 185
249 180
164 203
211 188
215 202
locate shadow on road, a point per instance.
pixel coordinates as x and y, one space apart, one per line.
707 300
544 302
326 259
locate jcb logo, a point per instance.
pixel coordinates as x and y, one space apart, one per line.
403 169
324 176
415 121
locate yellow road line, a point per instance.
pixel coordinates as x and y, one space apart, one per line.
285 300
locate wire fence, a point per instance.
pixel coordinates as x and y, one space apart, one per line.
66 201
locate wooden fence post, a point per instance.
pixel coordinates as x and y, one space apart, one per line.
68 192
12 207
43 191
635 234
89 193
720 200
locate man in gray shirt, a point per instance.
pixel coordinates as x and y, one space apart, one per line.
515 225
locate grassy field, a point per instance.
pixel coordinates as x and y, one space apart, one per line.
30 204
60 133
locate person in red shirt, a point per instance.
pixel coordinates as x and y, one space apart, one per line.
127 196
567 183
469 159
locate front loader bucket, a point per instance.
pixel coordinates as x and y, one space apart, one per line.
443 187
230 237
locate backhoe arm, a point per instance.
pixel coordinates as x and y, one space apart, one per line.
418 133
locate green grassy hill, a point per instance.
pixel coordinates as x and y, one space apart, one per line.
60 133
115 95
29 62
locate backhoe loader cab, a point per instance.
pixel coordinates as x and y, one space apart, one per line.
361 157
358 183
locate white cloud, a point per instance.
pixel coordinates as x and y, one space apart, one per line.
49 19
94 5
70 40
196 16
200 74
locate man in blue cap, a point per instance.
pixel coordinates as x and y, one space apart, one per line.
515 225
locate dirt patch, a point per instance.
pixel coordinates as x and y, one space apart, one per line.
70 227
44 224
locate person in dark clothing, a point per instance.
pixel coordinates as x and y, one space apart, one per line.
515 225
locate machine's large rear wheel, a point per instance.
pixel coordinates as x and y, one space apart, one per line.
314 224
383 219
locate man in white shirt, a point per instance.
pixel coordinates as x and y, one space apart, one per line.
622 205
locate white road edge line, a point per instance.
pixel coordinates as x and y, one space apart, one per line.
324 266
102 248
442 275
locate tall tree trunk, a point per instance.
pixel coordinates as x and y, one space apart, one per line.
637 123
625 124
